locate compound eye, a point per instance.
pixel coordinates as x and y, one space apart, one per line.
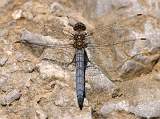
79 27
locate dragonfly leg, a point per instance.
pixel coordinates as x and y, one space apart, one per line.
72 62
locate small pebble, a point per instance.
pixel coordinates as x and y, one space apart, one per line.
3 32
41 114
3 60
3 80
10 97
4 3
17 14
156 76
56 7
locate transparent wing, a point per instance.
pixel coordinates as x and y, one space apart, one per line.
110 48
121 52
46 41
58 45
98 80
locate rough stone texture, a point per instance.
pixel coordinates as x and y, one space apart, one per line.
3 80
141 99
17 14
57 9
4 3
38 39
152 42
3 32
10 97
3 60
124 7
35 82
48 69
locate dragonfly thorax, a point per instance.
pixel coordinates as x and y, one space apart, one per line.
79 36
79 44
79 40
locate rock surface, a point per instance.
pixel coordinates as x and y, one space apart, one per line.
122 77
144 102
4 3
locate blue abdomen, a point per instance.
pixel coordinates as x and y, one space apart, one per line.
80 76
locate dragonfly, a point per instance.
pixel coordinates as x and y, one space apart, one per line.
81 59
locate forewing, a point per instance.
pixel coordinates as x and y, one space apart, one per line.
123 52
108 49
55 55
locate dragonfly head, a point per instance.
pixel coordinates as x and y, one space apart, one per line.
79 26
